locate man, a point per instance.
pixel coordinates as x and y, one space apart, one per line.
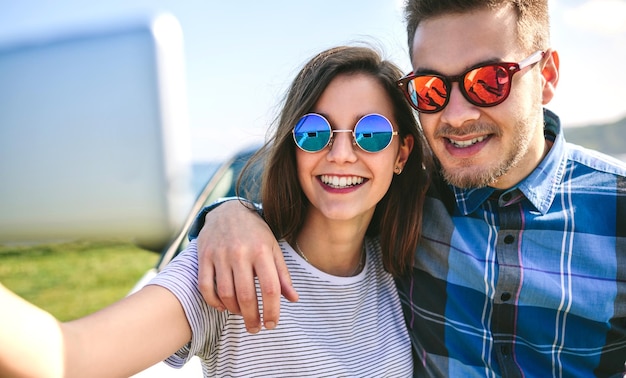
521 270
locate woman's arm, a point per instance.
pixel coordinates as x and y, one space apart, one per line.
31 341
120 340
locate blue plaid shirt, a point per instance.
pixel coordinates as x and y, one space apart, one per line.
530 281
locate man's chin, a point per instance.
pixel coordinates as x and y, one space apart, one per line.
468 179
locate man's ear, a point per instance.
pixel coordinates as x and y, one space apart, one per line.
550 75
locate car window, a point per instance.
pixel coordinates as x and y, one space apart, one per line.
222 184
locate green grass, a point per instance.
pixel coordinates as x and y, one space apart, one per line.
74 279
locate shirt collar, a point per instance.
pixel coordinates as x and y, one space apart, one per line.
539 187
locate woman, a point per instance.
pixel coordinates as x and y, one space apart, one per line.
335 183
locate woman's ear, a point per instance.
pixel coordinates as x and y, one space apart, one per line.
406 146
550 75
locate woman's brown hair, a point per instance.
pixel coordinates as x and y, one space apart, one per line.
398 216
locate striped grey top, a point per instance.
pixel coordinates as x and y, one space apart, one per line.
341 326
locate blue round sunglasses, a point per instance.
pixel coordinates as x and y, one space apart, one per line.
372 133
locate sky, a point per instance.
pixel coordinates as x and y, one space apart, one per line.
240 56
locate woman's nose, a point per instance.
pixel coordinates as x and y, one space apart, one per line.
342 147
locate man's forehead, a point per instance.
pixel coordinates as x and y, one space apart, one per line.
452 42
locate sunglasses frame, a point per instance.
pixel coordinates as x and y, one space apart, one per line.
333 131
509 68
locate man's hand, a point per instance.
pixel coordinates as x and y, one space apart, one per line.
234 245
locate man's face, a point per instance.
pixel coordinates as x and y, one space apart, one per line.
477 146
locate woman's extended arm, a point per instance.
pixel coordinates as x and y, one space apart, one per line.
25 332
120 340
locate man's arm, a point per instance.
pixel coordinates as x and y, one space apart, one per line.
234 245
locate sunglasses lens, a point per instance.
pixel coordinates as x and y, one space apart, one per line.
428 93
373 133
488 85
312 133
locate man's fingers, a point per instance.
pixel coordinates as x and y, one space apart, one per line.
225 288
286 285
234 245
206 284
247 299
270 292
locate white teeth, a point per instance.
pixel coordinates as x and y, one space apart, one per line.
341 182
467 143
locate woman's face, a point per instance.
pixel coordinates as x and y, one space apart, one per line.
343 182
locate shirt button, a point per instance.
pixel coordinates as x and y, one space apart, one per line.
505 351
505 296
509 239
506 197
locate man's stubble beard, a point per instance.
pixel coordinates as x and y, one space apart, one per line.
481 176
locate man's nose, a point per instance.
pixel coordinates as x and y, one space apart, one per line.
458 110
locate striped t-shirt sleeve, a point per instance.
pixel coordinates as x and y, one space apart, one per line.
180 277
